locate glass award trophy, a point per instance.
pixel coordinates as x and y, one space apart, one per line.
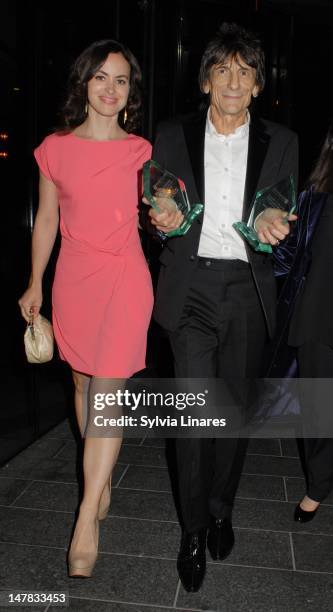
282 195
165 192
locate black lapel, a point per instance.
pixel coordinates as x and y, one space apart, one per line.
258 144
194 132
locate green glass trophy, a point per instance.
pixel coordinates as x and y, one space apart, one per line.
280 196
165 192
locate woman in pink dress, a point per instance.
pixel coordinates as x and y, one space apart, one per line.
102 294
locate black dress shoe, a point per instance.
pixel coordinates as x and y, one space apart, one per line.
304 516
191 563
221 538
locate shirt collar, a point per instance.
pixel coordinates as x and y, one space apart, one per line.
239 132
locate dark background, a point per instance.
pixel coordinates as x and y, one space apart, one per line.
37 45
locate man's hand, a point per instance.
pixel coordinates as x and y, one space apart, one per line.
169 218
272 225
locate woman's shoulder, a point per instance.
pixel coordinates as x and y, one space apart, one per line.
140 147
140 141
52 141
49 153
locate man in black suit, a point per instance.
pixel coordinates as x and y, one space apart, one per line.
216 296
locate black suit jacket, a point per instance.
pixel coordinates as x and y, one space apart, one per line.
179 147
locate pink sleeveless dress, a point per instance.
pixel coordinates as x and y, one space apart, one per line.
102 293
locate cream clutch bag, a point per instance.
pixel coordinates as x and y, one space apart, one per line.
38 340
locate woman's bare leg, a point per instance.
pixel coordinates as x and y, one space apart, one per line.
81 386
308 504
100 456
102 445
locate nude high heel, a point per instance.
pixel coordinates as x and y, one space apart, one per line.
81 563
104 503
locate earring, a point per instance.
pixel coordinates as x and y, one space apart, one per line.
86 108
125 116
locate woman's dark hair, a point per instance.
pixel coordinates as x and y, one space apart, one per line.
322 174
86 65
231 40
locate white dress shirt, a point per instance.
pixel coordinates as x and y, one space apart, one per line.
225 159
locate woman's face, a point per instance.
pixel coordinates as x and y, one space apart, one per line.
108 89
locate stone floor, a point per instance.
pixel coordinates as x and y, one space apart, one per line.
276 565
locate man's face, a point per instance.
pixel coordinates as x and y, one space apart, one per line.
231 85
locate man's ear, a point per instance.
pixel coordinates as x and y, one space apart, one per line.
255 91
206 88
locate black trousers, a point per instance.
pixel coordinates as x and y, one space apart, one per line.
316 361
222 333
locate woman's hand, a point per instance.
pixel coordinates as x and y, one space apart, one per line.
30 303
168 218
166 221
272 225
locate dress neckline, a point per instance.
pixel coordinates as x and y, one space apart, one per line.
128 137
